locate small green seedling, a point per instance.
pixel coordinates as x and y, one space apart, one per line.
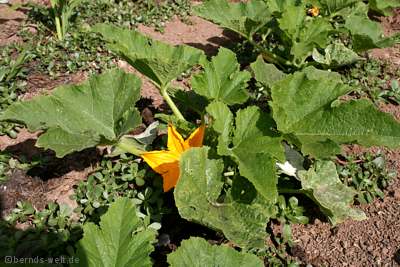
62 10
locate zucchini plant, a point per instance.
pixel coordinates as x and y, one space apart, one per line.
231 183
230 173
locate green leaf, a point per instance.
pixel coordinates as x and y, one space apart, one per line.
333 6
188 100
368 34
222 79
254 145
304 33
197 252
302 93
118 241
160 62
198 198
242 18
384 7
305 104
323 185
313 34
292 18
320 149
76 117
336 55
222 123
265 73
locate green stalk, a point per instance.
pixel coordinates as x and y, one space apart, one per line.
269 56
291 191
171 103
129 147
60 34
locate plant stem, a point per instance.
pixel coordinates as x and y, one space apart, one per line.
290 191
60 34
269 56
129 147
171 103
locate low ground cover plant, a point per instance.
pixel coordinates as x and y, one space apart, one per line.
233 161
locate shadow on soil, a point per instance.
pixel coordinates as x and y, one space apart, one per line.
45 164
228 37
42 166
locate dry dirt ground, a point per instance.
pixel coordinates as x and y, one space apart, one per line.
373 242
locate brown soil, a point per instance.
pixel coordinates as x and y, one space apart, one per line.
391 25
39 84
9 21
51 180
372 242
198 33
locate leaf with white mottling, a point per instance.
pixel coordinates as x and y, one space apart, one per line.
197 197
323 185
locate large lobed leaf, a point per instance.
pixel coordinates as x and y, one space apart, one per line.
305 33
76 117
160 62
243 18
323 185
118 242
305 104
365 33
384 7
198 198
197 252
332 7
336 55
222 79
254 145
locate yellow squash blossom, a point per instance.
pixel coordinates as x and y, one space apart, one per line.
314 11
166 162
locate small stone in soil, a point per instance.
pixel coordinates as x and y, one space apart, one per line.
397 194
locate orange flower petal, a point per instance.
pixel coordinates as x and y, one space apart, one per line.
175 140
171 176
196 138
156 159
165 163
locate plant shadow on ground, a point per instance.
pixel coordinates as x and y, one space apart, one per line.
227 39
42 169
46 165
